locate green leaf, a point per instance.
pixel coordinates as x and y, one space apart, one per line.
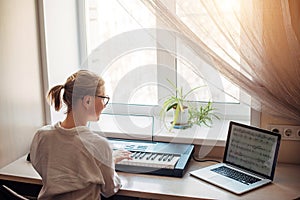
171 106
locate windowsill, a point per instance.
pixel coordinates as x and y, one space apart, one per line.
149 128
199 135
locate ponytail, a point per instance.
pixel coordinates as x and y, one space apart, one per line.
54 97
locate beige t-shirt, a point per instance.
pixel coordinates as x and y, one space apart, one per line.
73 163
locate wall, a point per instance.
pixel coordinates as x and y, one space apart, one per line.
288 152
21 99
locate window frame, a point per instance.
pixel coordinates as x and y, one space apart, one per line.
163 59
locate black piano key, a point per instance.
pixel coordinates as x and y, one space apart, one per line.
154 156
142 155
171 157
133 154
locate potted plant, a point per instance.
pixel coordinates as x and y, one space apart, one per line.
184 114
202 115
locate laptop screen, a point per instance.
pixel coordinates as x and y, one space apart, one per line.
252 148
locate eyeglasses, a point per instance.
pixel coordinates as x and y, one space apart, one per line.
104 98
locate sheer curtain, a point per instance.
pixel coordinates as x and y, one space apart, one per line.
253 43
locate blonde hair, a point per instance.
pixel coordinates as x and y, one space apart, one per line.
78 85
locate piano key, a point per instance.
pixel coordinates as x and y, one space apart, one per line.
154 156
142 155
171 157
133 154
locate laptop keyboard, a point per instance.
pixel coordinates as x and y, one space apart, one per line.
236 175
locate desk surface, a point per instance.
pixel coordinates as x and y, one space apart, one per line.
286 184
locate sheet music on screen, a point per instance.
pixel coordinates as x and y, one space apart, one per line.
252 149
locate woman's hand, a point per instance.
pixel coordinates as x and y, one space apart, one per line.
119 155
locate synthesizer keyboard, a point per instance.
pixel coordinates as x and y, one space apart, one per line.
156 158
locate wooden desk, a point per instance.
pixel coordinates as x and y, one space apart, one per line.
286 184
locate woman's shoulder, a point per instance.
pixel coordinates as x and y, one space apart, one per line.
43 132
45 129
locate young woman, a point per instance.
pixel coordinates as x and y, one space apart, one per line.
74 162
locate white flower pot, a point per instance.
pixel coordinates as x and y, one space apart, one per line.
183 117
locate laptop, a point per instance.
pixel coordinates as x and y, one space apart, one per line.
249 160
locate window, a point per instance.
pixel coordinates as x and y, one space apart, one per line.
124 42
108 19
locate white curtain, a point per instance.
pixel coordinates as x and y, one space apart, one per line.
253 43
